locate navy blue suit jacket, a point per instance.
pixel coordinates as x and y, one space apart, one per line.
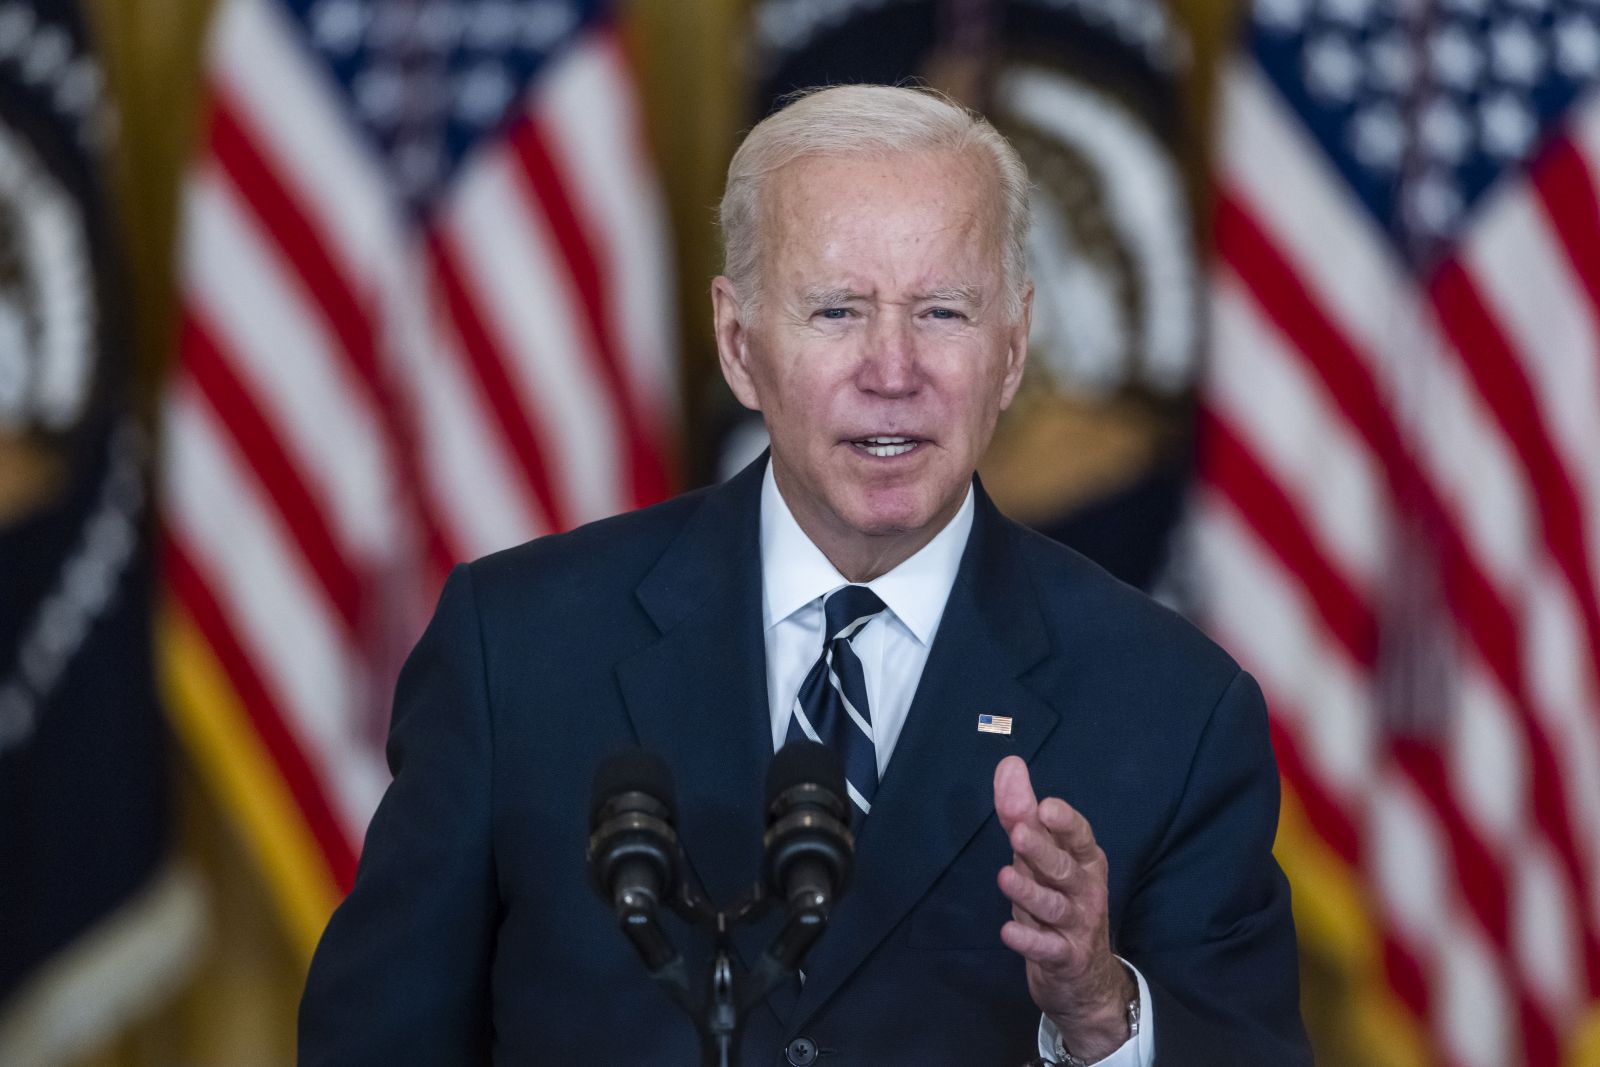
472 936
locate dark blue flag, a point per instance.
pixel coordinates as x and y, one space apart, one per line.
95 923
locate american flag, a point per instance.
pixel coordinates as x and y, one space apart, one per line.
994 724
425 315
1399 514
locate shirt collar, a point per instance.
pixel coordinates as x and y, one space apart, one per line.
794 572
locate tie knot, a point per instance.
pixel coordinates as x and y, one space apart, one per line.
847 609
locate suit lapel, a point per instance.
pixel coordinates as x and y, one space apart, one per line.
698 696
939 786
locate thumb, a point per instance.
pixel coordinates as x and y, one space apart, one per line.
1014 800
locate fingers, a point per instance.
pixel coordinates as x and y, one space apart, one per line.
1059 928
1035 849
1035 903
1016 804
1056 864
1057 857
1069 828
1057 885
1047 948
1032 942
1014 801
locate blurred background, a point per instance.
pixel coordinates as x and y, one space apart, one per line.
302 301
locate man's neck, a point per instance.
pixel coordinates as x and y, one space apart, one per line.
862 562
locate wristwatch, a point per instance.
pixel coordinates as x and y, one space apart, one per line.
1131 1013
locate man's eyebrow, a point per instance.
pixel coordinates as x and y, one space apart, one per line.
829 296
955 294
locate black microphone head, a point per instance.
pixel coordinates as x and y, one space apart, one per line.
632 770
808 829
633 845
804 762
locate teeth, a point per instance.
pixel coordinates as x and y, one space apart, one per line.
883 447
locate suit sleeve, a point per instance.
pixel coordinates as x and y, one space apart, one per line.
402 972
1209 925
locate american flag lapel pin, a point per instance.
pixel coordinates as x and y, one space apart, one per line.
994 724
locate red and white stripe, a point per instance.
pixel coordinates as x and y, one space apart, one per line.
1344 394
359 402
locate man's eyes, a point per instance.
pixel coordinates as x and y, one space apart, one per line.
840 314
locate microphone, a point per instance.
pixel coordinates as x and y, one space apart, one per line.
633 847
810 852
635 865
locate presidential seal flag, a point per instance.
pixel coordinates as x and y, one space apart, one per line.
1399 526
97 924
425 316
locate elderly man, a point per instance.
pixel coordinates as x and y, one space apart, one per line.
857 587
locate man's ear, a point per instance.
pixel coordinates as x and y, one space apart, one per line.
1017 349
733 341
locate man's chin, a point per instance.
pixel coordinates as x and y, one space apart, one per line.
900 519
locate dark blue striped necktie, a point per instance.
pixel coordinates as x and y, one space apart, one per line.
831 706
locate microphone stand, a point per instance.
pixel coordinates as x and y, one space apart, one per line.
719 1004
634 860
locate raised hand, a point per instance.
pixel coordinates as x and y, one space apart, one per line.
1056 883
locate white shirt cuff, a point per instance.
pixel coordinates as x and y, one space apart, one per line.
1138 1051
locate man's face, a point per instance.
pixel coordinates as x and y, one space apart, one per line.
881 354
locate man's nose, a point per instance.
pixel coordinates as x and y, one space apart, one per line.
890 364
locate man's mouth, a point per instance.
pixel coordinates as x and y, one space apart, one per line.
886 447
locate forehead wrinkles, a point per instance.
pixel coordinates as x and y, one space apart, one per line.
818 212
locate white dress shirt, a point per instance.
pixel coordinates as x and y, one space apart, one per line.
893 648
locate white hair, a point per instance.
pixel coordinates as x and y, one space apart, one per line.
867 120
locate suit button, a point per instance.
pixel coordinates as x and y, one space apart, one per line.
802 1052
